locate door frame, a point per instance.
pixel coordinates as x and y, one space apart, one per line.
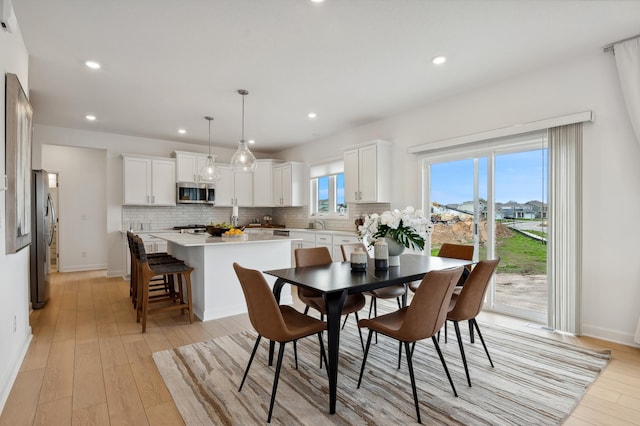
488 149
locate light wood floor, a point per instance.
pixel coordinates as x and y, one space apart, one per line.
89 363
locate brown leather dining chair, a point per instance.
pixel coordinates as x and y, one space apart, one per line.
392 292
278 323
420 320
466 305
315 256
454 251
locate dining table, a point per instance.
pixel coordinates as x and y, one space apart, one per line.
337 280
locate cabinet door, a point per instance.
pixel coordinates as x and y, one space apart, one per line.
287 184
368 174
199 163
185 168
224 187
137 181
263 185
163 183
277 186
351 171
243 189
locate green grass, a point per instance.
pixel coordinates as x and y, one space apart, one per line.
518 254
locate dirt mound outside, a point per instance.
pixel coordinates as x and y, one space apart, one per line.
462 232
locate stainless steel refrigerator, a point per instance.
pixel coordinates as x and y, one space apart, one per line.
43 223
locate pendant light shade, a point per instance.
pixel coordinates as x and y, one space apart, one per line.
209 172
243 160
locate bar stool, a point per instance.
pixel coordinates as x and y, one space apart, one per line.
158 283
179 294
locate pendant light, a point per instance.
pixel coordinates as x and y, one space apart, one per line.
243 160
209 173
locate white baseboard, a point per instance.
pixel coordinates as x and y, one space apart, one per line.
79 268
609 335
6 387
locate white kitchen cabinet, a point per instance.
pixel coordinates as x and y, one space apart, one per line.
289 184
234 189
337 241
308 241
328 239
263 183
189 165
367 173
149 181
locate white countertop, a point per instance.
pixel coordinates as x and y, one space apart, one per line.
190 240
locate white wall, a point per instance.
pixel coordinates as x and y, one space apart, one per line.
14 268
114 145
611 272
82 201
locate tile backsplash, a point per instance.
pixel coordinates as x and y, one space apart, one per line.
159 218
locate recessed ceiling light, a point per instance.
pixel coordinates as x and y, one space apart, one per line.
439 60
317 1
90 117
312 115
251 141
93 65
182 131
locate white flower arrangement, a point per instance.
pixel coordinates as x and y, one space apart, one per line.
408 227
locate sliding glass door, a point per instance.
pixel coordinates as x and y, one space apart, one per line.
496 200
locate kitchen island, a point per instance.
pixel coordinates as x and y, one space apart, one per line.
215 287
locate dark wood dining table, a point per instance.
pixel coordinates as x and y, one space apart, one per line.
336 280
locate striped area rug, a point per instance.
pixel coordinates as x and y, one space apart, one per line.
536 381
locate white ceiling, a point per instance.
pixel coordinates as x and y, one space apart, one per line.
167 64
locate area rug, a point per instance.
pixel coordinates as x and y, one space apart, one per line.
536 381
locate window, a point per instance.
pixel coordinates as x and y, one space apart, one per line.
327 195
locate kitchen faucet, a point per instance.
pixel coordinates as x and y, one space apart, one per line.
322 223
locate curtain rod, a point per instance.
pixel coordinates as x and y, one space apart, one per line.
609 47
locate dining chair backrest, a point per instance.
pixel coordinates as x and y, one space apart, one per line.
347 249
312 256
428 310
469 301
264 313
456 251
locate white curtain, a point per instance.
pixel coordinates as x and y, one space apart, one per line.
627 54
565 227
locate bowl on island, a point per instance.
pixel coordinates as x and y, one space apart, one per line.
216 231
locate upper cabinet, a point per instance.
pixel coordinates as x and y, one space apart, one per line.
188 166
263 183
149 181
367 173
289 184
234 189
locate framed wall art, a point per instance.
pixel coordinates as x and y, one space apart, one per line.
18 131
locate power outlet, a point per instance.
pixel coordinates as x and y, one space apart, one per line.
84 254
15 324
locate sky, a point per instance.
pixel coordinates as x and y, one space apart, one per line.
519 177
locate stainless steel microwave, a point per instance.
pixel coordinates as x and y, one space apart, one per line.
195 193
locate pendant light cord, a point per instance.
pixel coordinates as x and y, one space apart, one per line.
243 118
